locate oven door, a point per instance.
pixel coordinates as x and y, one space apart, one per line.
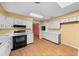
19 41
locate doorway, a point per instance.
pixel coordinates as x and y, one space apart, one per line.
36 30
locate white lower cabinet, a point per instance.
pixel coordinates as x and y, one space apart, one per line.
29 38
6 46
54 37
5 49
11 42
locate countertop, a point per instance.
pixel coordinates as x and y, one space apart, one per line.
12 34
52 32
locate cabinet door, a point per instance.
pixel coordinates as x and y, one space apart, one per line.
28 24
2 21
20 22
10 41
4 50
64 20
43 35
29 38
54 25
9 22
24 22
15 21
54 37
72 19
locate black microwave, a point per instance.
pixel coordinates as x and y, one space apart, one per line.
22 26
43 28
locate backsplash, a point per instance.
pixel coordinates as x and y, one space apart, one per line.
4 31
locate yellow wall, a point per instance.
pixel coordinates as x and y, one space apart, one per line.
2 10
70 34
11 14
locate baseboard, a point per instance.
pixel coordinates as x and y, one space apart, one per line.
52 41
30 43
72 47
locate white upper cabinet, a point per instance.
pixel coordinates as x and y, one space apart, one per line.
71 19
28 24
5 22
18 21
9 22
15 21
64 20
22 22
2 20
54 25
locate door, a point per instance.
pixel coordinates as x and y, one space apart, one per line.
36 30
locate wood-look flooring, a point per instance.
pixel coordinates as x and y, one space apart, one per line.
42 47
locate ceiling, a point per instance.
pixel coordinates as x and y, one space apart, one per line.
46 9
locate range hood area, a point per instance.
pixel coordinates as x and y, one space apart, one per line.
21 26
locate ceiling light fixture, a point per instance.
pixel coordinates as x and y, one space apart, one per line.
36 15
64 4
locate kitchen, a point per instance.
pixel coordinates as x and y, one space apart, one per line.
49 37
